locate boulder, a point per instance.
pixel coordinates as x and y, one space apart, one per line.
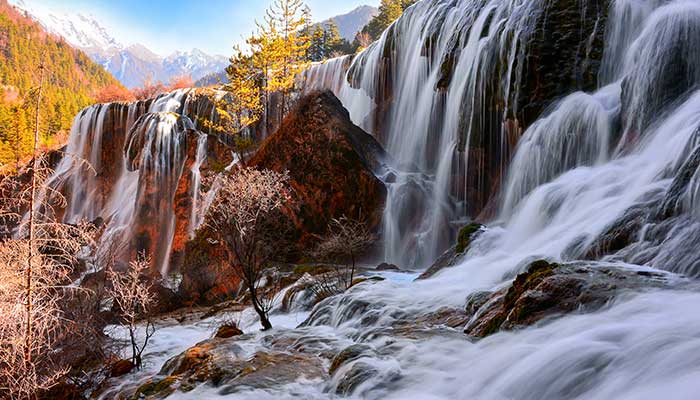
332 165
227 331
548 289
121 368
225 365
387 267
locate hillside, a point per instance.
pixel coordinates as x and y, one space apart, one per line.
131 64
351 23
72 82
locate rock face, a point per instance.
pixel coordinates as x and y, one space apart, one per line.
331 163
547 289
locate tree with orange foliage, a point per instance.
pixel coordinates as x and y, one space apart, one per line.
149 89
112 93
181 82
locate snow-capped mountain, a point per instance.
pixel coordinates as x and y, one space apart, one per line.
131 64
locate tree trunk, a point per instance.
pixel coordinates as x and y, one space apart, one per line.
28 334
264 319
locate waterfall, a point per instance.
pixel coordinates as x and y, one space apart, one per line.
124 167
197 215
609 175
442 90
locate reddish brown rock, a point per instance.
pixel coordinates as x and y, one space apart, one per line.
121 368
227 331
330 162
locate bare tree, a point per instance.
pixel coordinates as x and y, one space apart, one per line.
133 298
246 202
345 241
35 266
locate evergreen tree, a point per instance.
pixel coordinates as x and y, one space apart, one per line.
389 11
289 59
71 82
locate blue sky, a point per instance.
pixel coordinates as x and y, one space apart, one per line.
165 26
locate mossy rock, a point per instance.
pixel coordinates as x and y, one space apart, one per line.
154 387
535 274
466 234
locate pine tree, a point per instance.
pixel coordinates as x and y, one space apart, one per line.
308 31
290 58
389 11
245 90
74 79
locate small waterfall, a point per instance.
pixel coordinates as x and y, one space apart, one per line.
124 168
197 215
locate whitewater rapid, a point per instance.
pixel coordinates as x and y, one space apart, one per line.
588 161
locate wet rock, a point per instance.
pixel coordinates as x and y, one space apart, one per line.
455 254
227 331
618 235
271 370
349 354
358 374
121 368
466 235
224 364
387 267
156 388
549 289
338 180
475 301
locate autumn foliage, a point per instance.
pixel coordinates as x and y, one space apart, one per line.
112 93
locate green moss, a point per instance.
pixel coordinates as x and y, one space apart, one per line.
303 269
465 236
217 166
311 269
494 325
536 273
154 387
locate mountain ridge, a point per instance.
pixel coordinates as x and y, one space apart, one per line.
352 22
131 64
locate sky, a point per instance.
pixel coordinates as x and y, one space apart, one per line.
165 26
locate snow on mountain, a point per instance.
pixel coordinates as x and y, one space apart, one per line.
131 64
80 30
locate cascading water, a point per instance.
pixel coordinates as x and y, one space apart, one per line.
135 156
585 171
441 90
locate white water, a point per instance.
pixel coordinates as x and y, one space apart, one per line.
591 158
146 146
427 128
576 172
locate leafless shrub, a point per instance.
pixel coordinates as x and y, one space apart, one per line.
240 215
133 299
35 270
345 241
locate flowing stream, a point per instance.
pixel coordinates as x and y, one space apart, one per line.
624 155
590 160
